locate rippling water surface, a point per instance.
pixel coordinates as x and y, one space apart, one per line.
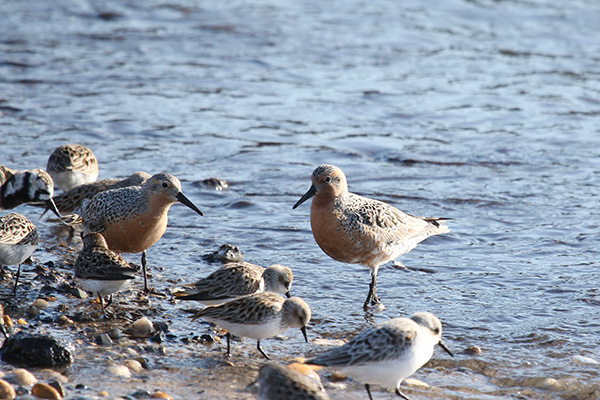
486 112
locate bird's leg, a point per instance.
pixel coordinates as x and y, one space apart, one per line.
228 335
261 350
17 280
399 393
148 290
368 387
102 305
372 295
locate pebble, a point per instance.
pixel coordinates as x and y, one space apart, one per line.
40 304
135 366
103 393
143 326
103 340
65 321
415 382
160 395
24 377
22 322
7 391
582 360
119 370
44 391
472 350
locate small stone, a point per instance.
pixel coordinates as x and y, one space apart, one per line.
472 350
143 326
119 370
135 366
160 395
215 183
40 304
7 391
582 360
81 386
336 377
103 339
115 334
76 292
65 321
24 377
103 393
22 322
44 391
59 387
225 253
140 394
32 312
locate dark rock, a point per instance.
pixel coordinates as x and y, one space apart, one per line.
225 253
59 387
141 394
158 338
215 183
37 351
161 326
81 386
115 334
103 339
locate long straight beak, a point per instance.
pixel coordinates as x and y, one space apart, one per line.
182 199
443 346
52 207
311 192
303 329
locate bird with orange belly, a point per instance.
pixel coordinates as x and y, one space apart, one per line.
132 219
358 230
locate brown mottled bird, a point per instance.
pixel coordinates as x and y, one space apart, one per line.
358 230
132 219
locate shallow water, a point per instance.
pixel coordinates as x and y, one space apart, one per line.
486 112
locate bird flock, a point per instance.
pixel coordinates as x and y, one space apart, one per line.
130 215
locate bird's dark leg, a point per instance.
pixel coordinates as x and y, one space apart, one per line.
148 290
17 280
368 391
228 336
372 295
102 305
261 350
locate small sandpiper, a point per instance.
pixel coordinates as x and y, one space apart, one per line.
237 279
18 241
258 316
72 165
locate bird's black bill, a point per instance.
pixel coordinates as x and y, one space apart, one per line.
287 294
303 329
443 346
311 192
50 205
182 199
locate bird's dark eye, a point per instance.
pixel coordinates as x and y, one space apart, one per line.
165 185
328 179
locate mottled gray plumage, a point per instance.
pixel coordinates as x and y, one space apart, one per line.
389 352
258 316
276 382
72 165
71 200
235 280
18 241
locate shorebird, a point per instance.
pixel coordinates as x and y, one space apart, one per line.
29 186
276 382
258 316
101 270
18 241
72 165
133 218
388 353
237 279
358 230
